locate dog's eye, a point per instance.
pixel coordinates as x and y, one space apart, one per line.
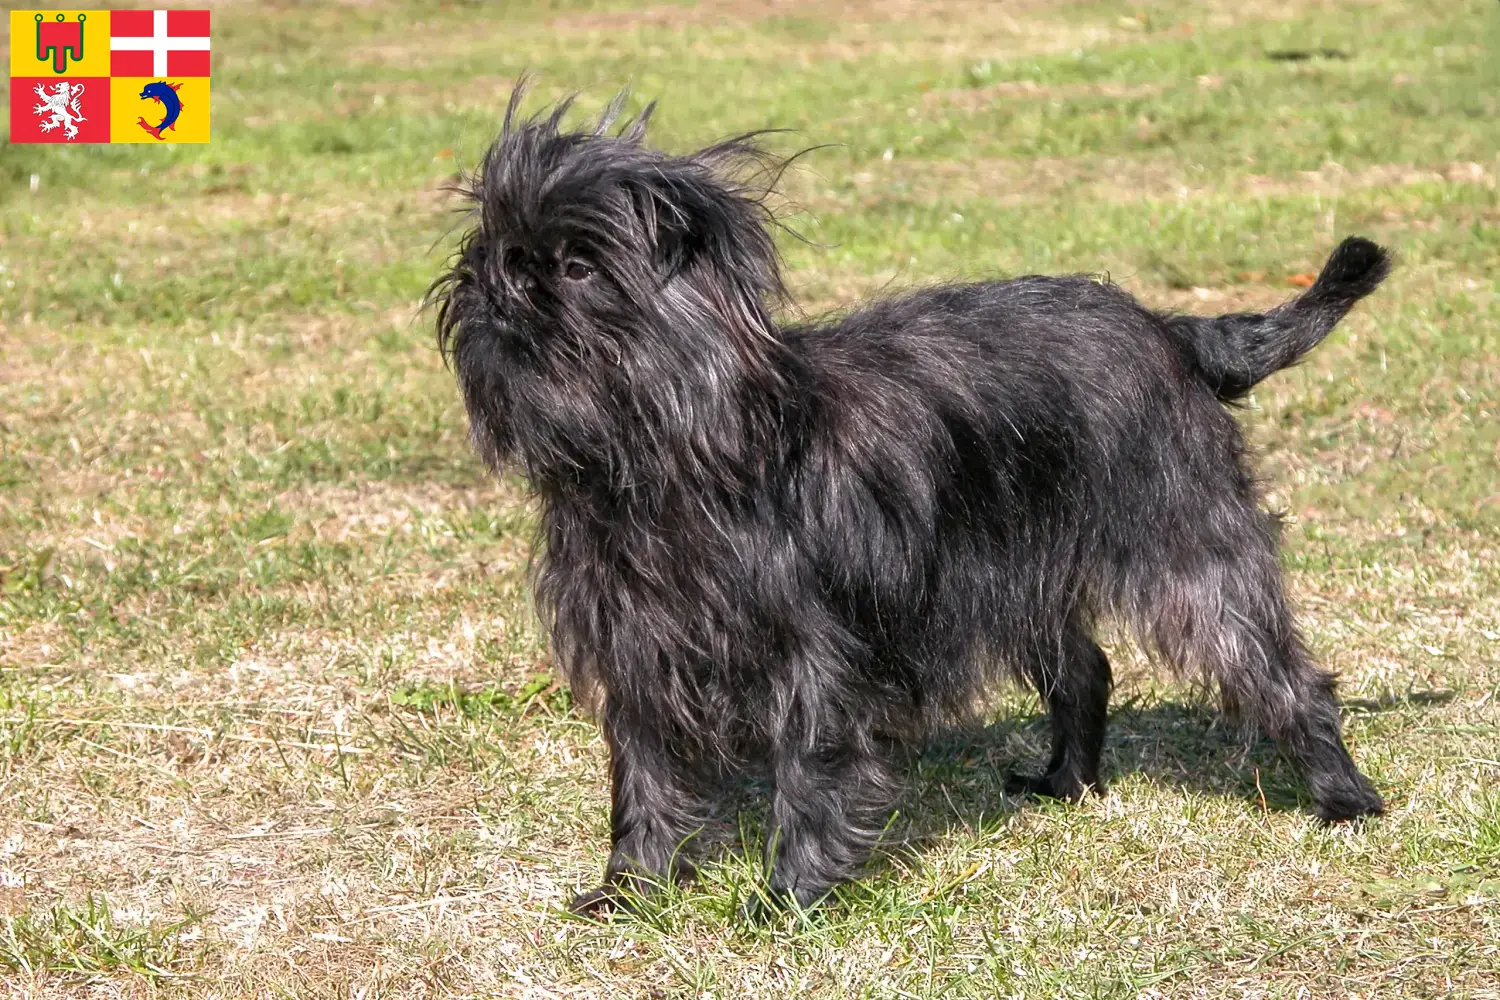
577 270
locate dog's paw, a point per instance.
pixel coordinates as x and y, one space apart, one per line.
598 902
769 903
759 910
1049 786
1350 804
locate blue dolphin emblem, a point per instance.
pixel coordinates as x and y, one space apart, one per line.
164 94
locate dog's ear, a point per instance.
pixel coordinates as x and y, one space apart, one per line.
712 241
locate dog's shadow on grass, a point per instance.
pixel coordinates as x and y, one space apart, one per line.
958 781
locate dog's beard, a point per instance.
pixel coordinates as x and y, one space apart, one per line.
668 375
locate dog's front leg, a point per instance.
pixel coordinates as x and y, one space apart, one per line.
652 812
831 798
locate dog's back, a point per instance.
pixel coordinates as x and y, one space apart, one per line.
1027 455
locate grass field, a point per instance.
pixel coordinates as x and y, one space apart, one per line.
275 714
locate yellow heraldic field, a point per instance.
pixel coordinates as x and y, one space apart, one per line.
23 44
128 110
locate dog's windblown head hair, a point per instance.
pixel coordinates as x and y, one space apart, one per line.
587 246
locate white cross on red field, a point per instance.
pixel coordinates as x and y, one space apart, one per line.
158 42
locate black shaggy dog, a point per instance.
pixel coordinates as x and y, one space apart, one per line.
785 547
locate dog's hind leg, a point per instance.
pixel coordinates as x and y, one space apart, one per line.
1307 728
1224 614
1074 681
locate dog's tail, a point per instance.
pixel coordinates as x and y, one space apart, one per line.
1235 351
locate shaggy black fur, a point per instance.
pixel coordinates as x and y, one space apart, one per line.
781 546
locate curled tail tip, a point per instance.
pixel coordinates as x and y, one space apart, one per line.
1356 268
1236 351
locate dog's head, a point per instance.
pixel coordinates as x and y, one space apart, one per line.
595 265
